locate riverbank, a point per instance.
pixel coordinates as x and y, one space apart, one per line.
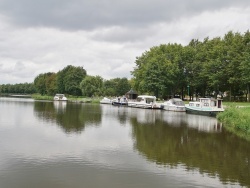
236 119
70 98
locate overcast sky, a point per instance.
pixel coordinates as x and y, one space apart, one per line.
104 36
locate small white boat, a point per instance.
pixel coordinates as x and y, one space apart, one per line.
174 104
60 97
105 101
145 101
205 106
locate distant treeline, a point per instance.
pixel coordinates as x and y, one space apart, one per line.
26 88
71 81
202 68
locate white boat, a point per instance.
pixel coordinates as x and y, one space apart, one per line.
145 101
205 106
120 101
106 101
60 97
174 104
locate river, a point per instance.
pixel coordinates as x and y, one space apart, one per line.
61 145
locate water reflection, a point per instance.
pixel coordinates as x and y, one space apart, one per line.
202 123
120 147
69 116
178 139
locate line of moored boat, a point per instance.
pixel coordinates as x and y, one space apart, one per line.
205 106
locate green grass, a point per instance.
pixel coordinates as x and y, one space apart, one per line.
236 119
41 97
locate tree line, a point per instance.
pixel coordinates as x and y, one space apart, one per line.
210 67
71 80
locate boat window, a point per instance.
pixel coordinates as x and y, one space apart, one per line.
149 100
213 103
197 105
139 99
179 103
204 100
206 104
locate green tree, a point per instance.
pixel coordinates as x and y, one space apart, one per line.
69 79
92 85
109 87
245 64
123 86
45 83
51 84
160 71
40 84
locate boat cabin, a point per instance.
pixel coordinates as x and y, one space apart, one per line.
207 102
146 99
60 97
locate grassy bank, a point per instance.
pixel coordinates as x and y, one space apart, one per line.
41 97
236 119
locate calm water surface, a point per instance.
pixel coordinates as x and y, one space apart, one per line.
69 145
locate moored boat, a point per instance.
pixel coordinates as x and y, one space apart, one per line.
145 101
120 101
105 100
60 97
174 104
205 106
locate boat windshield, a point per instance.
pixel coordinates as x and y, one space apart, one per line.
59 95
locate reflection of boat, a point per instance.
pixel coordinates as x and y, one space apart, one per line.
145 101
174 104
60 97
60 107
105 101
201 123
206 124
145 116
205 106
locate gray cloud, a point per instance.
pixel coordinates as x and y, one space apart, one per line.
104 36
83 14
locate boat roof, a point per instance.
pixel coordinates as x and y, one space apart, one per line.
212 99
175 99
147 96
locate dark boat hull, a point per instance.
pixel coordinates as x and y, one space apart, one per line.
200 112
119 103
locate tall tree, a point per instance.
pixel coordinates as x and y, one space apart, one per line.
235 48
159 70
69 79
245 64
45 83
92 85
40 84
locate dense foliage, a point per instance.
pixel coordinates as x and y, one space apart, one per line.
71 81
205 68
65 81
26 88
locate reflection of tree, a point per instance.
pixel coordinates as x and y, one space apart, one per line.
70 116
221 155
45 111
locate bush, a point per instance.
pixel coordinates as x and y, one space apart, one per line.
237 120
